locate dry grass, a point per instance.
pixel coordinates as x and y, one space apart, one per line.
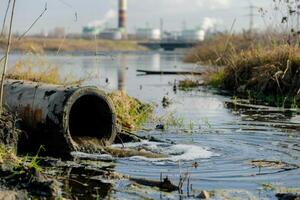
41 45
264 68
215 50
36 68
265 73
25 69
131 113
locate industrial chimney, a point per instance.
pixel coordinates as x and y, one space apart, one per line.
123 17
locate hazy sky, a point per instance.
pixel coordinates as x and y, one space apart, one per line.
141 12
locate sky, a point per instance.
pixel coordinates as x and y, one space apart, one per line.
176 14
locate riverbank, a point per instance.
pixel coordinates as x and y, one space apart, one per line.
41 45
265 74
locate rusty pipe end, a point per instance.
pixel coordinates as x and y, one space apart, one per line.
89 114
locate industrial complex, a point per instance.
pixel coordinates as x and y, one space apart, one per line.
147 34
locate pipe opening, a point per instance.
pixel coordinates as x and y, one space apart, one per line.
91 116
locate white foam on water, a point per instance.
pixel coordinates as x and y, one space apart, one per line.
188 152
174 153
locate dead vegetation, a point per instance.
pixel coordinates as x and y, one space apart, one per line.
131 113
214 51
265 71
36 68
270 73
25 70
42 45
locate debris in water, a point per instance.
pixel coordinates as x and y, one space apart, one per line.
195 165
204 195
175 86
89 144
166 102
160 127
122 153
166 185
273 164
125 137
288 196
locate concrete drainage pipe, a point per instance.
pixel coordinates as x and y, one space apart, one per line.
56 116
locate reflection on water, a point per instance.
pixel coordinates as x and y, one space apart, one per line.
236 135
122 74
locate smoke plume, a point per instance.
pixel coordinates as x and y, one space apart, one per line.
111 14
209 23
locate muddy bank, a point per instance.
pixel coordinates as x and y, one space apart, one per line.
20 176
9 129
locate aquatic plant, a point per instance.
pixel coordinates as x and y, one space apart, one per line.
268 186
206 122
169 120
188 84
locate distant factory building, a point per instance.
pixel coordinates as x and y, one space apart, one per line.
148 34
111 34
193 35
91 31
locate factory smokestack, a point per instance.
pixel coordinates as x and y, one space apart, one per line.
123 17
